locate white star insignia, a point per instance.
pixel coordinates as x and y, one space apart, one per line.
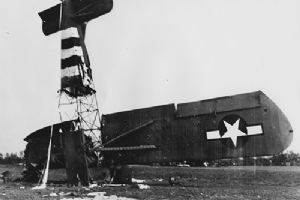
233 132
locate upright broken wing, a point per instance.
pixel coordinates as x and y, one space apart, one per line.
70 17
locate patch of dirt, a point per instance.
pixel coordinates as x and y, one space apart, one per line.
191 183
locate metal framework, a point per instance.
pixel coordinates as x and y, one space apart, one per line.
84 110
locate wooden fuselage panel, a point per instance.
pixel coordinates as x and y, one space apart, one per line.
199 131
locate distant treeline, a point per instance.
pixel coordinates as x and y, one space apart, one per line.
12 158
283 159
288 158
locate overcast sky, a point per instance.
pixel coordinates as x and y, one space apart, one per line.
152 52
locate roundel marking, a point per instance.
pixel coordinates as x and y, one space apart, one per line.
233 127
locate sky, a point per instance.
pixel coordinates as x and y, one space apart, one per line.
152 52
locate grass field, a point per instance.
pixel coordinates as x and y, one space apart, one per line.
193 183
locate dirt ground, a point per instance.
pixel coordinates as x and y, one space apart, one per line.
251 182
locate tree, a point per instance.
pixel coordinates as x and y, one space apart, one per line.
10 158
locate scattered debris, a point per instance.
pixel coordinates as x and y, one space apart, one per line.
64 194
93 185
174 181
133 180
39 187
90 186
52 194
96 194
86 189
143 186
113 185
32 173
158 179
99 196
6 176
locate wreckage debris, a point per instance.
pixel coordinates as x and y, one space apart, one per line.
89 196
6 176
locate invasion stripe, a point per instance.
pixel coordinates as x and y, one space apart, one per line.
70 42
69 33
71 81
71 61
70 71
66 53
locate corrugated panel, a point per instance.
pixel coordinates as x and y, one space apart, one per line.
223 104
